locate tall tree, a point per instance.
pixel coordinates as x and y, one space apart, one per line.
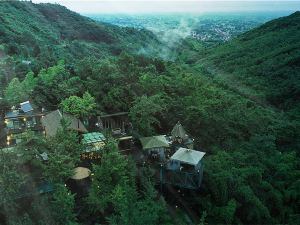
144 113
80 107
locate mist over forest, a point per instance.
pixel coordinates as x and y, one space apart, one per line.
149 118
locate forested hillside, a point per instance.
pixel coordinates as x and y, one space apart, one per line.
38 35
252 171
266 60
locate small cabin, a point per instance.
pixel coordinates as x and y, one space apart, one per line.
184 169
180 137
94 143
20 119
52 123
156 147
117 123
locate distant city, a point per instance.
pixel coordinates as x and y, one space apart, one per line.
206 27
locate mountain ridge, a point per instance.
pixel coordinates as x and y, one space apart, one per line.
266 59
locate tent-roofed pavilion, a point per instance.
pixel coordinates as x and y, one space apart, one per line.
184 169
180 136
155 145
154 142
188 156
178 131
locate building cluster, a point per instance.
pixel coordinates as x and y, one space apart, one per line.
172 156
179 164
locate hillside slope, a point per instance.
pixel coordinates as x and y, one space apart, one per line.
45 33
266 59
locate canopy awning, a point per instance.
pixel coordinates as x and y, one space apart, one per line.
154 142
188 156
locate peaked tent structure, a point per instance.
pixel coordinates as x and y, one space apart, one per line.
178 131
52 123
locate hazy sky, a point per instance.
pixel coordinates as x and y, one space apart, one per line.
156 6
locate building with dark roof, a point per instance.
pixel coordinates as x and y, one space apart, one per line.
52 122
21 119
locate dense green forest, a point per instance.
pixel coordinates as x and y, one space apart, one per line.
264 60
239 100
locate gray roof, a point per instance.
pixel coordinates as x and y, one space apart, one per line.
52 123
26 107
44 156
154 142
12 114
188 156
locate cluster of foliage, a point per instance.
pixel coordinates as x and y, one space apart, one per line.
113 198
114 192
80 107
252 169
36 36
24 176
253 136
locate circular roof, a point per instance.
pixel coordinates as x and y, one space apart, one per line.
81 173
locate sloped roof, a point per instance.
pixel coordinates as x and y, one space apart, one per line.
93 137
114 114
12 114
188 156
52 122
154 142
178 131
26 107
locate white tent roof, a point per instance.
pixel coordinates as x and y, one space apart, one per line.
81 173
188 156
154 142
